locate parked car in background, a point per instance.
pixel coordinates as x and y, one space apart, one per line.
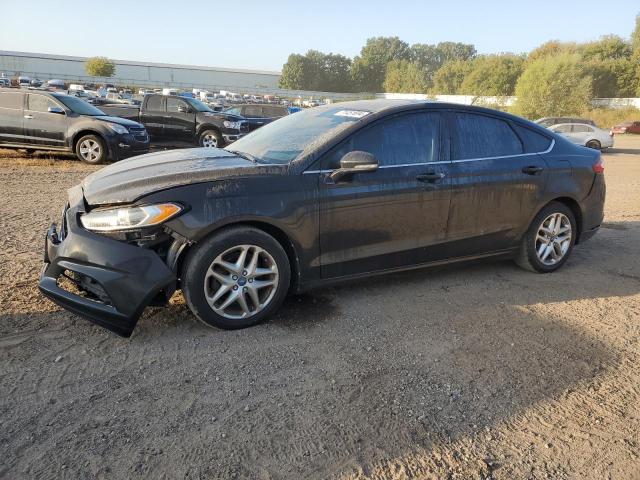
333 193
585 135
41 120
258 115
626 127
121 98
36 82
82 95
55 84
550 121
177 121
170 91
5 82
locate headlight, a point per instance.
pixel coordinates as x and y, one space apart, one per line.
116 127
229 124
128 218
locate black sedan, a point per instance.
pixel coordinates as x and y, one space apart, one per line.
332 193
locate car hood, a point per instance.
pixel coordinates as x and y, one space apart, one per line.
118 120
128 180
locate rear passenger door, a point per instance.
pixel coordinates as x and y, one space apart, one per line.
152 116
11 117
497 181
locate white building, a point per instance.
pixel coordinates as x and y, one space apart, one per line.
45 66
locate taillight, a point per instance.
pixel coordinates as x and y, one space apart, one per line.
598 167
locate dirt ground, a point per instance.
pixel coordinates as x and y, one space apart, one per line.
479 371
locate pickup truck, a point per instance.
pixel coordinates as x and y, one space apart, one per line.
176 121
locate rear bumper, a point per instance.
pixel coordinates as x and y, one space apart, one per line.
593 208
114 281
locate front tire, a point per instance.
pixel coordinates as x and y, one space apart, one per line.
211 139
549 240
236 278
91 149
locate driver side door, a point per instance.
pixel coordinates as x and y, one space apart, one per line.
390 217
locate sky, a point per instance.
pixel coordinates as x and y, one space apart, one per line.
259 35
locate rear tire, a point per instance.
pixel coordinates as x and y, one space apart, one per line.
595 144
91 149
227 290
549 240
211 139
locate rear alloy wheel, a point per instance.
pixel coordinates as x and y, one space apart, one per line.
90 149
549 240
211 139
595 144
236 278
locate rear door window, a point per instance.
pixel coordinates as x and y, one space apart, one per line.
11 100
154 104
581 129
481 136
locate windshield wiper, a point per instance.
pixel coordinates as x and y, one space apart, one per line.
245 155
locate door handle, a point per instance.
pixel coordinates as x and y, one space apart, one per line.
28 117
532 170
430 177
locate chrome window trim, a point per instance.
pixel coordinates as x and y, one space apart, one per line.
551 145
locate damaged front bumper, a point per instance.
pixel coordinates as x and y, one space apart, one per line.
111 281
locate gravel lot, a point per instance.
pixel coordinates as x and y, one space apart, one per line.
479 371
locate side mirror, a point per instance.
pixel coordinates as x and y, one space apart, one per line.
57 110
355 162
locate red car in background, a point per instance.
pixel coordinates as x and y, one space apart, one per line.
626 127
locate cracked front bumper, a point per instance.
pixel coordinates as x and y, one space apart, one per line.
114 281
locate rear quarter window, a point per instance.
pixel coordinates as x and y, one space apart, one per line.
482 136
533 141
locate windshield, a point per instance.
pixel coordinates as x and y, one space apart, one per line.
79 106
286 139
198 105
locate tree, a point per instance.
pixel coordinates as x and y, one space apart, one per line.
451 51
553 86
635 39
369 68
100 67
317 71
551 48
447 80
294 73
493 75
405 77
609 47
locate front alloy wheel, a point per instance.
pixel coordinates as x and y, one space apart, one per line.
90 149
236 277
241 281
